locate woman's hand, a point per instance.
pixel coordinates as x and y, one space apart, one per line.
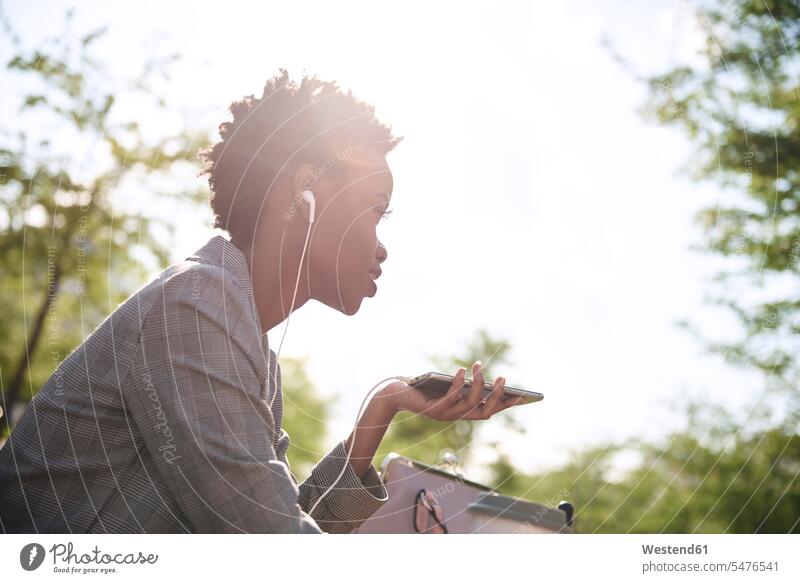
400 396
452 406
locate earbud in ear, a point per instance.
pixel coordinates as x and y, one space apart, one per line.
308 196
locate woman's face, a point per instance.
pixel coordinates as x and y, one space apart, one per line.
344 251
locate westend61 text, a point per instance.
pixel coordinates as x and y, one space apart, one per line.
675 550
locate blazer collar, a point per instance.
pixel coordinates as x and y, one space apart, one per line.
223 253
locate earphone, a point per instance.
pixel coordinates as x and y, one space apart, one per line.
309 197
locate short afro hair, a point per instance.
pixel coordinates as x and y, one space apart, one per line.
289 125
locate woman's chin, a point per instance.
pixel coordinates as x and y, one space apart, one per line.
350 308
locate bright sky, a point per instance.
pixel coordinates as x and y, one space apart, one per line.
530 198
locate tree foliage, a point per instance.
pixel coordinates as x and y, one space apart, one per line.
305 417
70 250
685 483
741 106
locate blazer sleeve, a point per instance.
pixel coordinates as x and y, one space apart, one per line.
197 403
350 502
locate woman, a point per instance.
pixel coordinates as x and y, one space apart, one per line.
167 418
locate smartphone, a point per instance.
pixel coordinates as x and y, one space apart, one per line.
437 383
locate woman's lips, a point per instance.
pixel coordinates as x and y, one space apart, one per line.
373 275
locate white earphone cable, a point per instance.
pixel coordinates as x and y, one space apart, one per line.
291 309
352 442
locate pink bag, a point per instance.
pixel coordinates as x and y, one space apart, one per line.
426 499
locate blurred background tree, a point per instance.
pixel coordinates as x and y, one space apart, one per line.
305 417
70 251
740 106
741 109
687 482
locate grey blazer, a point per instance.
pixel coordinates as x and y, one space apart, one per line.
167 418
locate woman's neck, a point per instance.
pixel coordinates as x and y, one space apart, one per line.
273 277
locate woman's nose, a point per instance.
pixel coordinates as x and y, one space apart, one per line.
382 253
